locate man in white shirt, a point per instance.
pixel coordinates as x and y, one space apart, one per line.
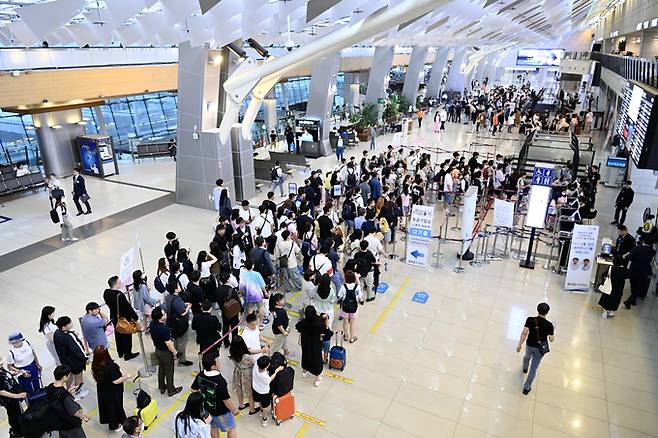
245 212
448 187
257 344
375 245
262 224
320 263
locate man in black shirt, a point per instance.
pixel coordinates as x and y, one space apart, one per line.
280 325
624 244
195 292
120 306
325 223
216 399
172 246
623 202
537 332
207 327
365 266
165 352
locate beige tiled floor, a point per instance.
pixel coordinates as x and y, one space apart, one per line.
446 368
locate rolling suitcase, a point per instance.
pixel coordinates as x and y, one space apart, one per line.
283 382
283 407
338 354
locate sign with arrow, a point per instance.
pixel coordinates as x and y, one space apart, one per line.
419 235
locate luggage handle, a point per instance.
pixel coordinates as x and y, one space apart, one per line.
339 337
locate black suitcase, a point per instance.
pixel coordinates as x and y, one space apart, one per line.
54 216
283 382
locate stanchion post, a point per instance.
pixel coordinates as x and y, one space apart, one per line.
475 262
486 248
146 370
438 255
493 250
506 252
459 269
550 254
456 227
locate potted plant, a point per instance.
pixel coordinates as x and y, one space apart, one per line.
391 110
621 46
363 120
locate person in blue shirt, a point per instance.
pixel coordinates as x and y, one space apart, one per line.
375 187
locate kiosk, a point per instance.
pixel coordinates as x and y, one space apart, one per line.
97 156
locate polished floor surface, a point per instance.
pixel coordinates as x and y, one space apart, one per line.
446 368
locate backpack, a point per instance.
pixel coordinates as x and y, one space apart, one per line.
262 267
348 211
231 308
157 283
350 304
351 178
275 173
49 416
307 247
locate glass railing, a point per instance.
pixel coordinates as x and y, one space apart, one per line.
638 69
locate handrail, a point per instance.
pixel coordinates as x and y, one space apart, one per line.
643 70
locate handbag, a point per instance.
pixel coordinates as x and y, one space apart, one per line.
543 345
84 197
123 326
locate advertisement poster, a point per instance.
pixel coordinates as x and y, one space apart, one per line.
503 213
419 235
582 257
126 266
89 157
468 217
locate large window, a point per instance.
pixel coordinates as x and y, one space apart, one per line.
18 142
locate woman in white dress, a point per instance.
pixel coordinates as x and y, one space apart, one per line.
47 327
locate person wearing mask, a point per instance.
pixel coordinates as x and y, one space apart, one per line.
207 327
132 427
216 399
11 394
178 320
118 304
623 202
165 352
639 271
80 192
311 328
71 413
72 353
47 327
243 364
23 361
93 326
286 253
109 387
536 334
192 421
252 287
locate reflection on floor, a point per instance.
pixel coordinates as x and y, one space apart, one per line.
446 368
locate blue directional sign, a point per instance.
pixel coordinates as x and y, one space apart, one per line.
543 176
382 288
420 297
417 254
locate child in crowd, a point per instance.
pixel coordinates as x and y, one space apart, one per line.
280 325
326 338
261 380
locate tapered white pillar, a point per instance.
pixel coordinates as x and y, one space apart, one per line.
455 77
379 73
412 78
436 75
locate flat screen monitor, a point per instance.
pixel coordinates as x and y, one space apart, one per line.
606 249
617 162
637 123
539 57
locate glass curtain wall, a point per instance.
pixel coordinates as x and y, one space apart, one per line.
18 141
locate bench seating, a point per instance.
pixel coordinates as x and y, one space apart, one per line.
10 183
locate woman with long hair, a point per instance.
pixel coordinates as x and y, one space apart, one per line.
311 328
143 302
204 261
47 327
242 372
163 270
192 421
183 258
109 386
238 255
325 298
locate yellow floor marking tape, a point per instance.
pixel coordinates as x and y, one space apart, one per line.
388 308
302 431
310 419
338 377
168 412
293 313
294 297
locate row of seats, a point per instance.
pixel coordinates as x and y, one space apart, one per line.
10 183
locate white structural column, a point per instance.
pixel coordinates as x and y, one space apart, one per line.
412 77
321 95
455 76
269 109
436 75
379 73
482 67
202 158
490 69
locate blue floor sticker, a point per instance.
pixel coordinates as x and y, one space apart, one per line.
420 297
382 288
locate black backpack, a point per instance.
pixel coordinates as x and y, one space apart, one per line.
275 174
351 178
350 304
47 416
262 267
348 211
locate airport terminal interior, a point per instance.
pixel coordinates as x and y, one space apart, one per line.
450 165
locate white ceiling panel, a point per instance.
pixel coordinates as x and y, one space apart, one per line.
43 18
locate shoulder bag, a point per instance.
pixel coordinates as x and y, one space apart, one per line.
283 260
123 326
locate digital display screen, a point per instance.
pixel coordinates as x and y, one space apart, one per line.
537 206
636 125
616 162
539 57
